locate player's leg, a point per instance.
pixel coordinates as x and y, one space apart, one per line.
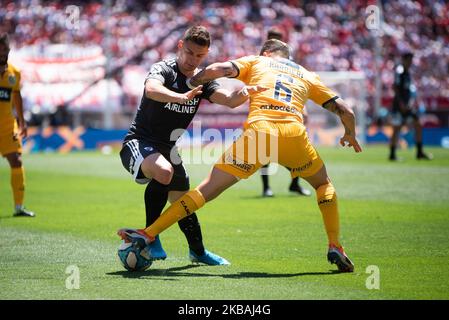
179 186
18 184
191 228
190 225
327 202
306 162
11 149
155 166
396 122
232 166
145 162
296 187
212 186
148 165
209 189
217 182
394 142
267 192
155 197
328 205
240 161
420 154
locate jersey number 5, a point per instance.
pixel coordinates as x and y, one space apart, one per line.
281 91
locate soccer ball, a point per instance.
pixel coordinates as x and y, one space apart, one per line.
133 258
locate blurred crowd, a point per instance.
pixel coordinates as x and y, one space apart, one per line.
325 35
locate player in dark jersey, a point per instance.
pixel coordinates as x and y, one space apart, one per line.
403 107
167 107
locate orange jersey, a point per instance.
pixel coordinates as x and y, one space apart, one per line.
290 86
9 83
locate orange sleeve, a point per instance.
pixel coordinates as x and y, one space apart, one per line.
319 93
243 66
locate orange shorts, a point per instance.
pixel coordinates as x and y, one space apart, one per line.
263 142
10 142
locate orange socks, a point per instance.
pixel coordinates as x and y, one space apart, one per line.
181 208
327 202
18 185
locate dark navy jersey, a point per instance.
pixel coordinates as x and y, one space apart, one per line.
164 122
403 85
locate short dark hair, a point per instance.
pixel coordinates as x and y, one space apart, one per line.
198 35
274 33
4 39
407 55
274 45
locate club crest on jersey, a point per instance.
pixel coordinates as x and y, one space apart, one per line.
12 80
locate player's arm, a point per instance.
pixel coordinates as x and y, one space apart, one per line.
212 72
155 90
347 118
18 104
235 98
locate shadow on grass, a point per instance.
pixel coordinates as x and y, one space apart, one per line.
276 196
172 273
8 217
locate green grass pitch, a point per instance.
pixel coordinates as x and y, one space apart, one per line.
394 216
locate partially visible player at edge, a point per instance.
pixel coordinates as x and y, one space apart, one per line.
277 110
11 130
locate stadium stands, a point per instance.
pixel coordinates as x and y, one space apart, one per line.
325 35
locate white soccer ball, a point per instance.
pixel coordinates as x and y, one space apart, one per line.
133 258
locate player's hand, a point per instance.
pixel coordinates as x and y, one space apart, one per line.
256 89
23 130
350 141
189 95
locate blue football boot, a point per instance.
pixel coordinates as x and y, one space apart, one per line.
156 251
208 258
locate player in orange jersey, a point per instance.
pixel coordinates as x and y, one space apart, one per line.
295 185
12 131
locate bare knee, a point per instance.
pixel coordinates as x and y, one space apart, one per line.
156 167
164 174
217 182
318 179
